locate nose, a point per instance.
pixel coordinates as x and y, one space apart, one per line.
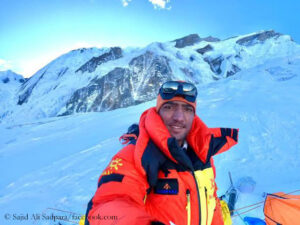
178 114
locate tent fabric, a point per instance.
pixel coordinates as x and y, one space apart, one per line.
282 209
253 221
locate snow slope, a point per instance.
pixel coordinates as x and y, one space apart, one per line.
10 82
53 163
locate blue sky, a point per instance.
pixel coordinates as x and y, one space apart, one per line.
34 32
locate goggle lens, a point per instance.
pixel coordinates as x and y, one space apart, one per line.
175 88
170 87
189 89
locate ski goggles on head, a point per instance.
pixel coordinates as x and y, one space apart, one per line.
170 89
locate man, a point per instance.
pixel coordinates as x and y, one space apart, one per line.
167 176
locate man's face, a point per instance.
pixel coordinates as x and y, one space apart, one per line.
178 118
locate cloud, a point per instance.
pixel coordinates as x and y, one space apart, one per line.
5 65
160 4
125 2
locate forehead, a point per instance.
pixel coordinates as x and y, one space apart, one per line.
178 103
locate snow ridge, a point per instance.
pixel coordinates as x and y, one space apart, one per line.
90 80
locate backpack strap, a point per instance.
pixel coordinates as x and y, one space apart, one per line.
131 135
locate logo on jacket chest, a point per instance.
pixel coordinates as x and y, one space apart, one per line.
166 187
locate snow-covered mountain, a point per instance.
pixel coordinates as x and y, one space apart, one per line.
9 77
10 83
92 80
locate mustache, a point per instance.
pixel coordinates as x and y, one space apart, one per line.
177 124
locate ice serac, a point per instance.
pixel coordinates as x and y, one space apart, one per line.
122 87
215 64
222 67
92 64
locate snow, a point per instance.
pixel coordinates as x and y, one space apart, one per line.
53 163
10 82
56 162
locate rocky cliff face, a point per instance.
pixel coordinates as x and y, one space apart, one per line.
205 49
91 65
122 87
23 98
193 39
258 38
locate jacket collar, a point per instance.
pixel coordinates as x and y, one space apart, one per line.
152 127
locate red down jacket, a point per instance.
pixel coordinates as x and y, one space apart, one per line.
156 182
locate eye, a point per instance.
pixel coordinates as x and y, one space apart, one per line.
167 106
189 109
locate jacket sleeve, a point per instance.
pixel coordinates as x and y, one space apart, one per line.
222 139
119 198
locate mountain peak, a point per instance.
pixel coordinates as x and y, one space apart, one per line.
193 39
258 37
187 41
8 76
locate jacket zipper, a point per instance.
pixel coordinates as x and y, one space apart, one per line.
199 204
188 206
206 204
